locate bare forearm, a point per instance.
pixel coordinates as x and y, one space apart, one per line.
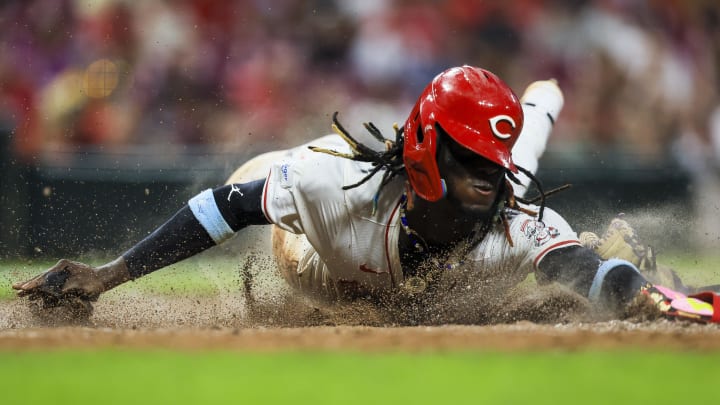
114 273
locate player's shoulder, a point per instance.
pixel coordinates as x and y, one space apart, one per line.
310 171
359 181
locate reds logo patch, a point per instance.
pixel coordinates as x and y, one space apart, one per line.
537 232
494 125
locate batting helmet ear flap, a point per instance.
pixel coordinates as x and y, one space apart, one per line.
420 158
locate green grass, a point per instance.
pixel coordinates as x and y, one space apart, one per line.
207 274
122 377
694 269
201 276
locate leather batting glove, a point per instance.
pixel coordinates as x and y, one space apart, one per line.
621 241
703 307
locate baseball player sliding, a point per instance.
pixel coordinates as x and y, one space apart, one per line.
348 220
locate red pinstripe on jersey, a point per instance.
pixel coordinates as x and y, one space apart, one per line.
264 198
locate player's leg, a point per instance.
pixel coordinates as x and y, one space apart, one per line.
301 267
541 103
259 166
288 249
297 262
256 168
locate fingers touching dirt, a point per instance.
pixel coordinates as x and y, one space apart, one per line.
65 277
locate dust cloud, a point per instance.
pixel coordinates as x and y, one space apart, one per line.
456 298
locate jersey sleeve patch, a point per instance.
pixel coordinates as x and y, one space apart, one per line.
284 174
279 203
538 233
542 237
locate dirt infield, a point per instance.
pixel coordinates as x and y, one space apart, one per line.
519 336
223 323
539 318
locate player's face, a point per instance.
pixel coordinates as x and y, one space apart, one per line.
472 181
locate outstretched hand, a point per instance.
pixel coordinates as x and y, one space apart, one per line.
67 284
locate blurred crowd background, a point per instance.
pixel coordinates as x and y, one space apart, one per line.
640 76
162 78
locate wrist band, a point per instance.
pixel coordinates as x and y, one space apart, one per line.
603 270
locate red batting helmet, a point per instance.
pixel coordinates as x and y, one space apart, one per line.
477 109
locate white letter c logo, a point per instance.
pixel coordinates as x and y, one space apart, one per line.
494 122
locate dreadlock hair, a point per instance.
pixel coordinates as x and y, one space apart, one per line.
391 159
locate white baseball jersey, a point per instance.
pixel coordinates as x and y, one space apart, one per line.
350 243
